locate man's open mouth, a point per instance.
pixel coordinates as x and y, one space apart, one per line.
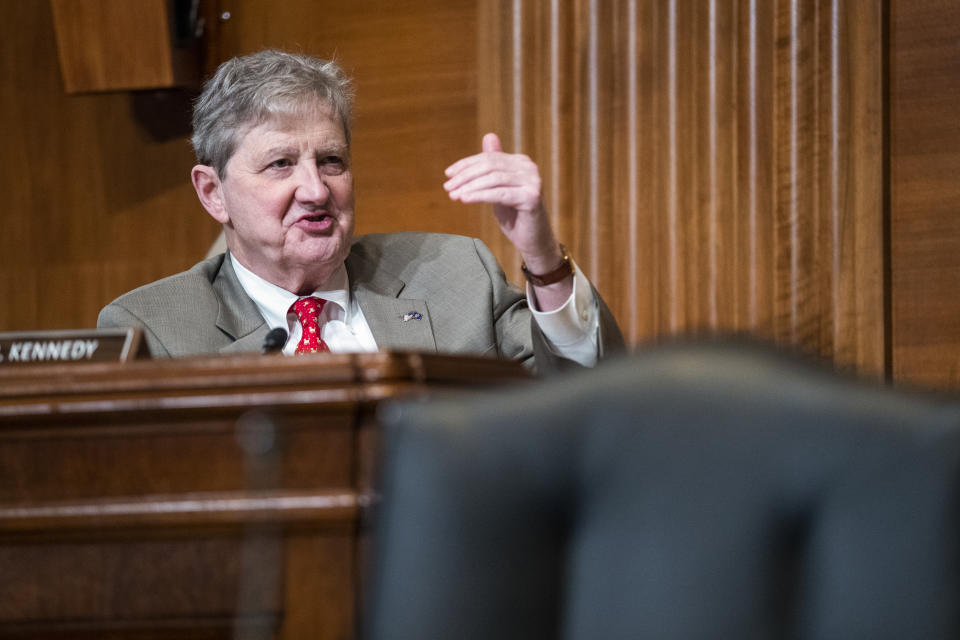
316 223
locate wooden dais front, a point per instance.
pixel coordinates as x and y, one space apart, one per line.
207 497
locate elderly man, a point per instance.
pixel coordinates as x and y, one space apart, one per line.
272 139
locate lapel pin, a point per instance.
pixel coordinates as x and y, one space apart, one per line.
412 315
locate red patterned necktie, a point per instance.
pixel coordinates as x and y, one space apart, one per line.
308 310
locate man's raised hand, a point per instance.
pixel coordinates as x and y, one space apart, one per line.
511 183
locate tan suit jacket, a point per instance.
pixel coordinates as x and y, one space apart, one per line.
454 282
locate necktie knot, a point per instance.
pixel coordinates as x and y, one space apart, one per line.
308 312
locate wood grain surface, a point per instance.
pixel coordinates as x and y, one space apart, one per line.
108 45
198 497
94 202
715 166
925 192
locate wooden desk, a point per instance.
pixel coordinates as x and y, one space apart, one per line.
197 497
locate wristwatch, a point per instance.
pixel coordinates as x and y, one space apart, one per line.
558 274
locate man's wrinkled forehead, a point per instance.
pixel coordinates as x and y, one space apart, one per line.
283 113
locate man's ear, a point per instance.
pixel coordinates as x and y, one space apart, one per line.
207 184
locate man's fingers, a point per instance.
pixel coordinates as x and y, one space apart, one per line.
475 160
491 143
481 181
486 171
463 163
466 173
496 195
475 166
520 198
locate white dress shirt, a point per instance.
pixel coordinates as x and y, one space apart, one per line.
571 329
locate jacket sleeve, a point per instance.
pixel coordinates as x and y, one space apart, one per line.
115 315
519 336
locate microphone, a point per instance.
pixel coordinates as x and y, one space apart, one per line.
275 340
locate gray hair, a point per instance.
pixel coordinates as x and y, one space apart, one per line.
248 90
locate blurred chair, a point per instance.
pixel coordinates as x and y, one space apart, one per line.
694 492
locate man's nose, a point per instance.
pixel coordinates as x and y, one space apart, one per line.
311 187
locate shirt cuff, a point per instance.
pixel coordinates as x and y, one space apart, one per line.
572 329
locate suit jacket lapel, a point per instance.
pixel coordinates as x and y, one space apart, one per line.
392 319
238 316
377 294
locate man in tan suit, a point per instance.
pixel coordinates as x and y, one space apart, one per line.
272 138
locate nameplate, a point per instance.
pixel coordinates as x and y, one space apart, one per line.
59 347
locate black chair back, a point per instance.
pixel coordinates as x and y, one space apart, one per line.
695 492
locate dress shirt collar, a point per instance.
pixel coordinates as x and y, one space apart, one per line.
273 301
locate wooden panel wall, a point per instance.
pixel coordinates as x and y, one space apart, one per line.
925 191
714 165
94 204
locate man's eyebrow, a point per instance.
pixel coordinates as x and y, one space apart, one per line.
282 150
339 149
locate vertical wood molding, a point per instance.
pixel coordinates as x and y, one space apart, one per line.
925 192
715 166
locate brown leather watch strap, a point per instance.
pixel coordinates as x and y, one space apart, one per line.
558 274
